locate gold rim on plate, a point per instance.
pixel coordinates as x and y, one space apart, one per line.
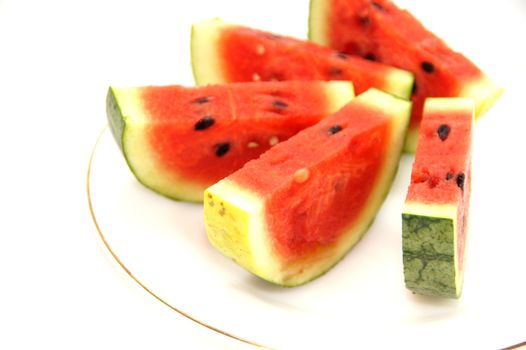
130 273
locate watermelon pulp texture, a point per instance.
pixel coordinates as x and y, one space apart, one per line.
179 140
293 213
381 31
224 52
435 216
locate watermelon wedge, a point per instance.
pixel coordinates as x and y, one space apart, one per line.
435 215
180 140
225 52
293 213
380 31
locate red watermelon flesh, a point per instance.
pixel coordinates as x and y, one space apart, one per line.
305 216
291 214
180 140
385 33
225 52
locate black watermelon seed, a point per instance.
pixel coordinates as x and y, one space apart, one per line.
428 67
342 55
460 180
414 89
364 20
335 129
377 6
201 100
449 176
204 123
335 72
443 131
370 56
279 104
222 149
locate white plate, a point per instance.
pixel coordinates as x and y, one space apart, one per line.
362 302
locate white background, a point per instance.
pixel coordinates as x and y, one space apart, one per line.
58 288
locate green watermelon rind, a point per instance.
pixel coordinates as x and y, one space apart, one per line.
429 249
428 245
123 128
115 117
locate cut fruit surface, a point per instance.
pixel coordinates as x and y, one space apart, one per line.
225 52
179 140
435 214
381 31
293 213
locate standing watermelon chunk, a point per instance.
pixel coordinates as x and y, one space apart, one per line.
180 140
380 31
224 52
435 215
293 213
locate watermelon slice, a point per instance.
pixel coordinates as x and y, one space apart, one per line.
435 215
224 52
293 213
382 32
179 140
